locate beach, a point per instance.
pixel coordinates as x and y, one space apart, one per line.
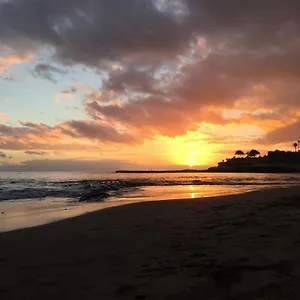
231 247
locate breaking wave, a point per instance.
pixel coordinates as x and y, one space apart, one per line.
102 190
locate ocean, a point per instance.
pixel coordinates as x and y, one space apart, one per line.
31 199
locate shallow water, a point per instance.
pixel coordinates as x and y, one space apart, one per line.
30 199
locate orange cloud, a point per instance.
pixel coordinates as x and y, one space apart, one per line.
4 117
9 60
73 134
168 72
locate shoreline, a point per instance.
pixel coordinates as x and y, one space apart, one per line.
18 214
242 246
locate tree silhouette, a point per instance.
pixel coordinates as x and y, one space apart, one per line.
295 145
239 153
253 153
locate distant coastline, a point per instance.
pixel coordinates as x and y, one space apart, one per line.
251 162
161 171
215 170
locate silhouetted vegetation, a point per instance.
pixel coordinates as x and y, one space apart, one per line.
239 153
274 162
253 153
295 145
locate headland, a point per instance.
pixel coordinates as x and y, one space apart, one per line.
250 162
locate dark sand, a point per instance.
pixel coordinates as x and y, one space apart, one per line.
234 247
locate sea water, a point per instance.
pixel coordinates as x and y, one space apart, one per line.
31 199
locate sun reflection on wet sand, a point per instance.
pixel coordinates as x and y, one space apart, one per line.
21 213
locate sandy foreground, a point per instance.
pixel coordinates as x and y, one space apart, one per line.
234 247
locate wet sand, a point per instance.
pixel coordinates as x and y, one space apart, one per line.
233 247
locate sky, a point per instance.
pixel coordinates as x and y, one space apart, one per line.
107 84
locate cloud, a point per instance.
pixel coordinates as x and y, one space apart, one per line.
31 124
132 79
72 107
179 63
47 72
78 135
39 153
7 60
72 90
66 93
4 117
52 165
289 133
8 78
34 127
79 31
3 155
166 104
99 131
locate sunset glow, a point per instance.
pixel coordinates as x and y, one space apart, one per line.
168 89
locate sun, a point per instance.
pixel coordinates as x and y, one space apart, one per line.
189 157
186 152
192 162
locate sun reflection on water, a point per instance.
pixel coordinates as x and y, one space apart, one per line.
195 193
192 192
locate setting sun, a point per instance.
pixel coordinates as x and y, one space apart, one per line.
190 158
184 151
108 108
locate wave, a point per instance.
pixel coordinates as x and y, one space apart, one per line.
101 190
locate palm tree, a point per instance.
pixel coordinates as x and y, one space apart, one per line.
295 145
